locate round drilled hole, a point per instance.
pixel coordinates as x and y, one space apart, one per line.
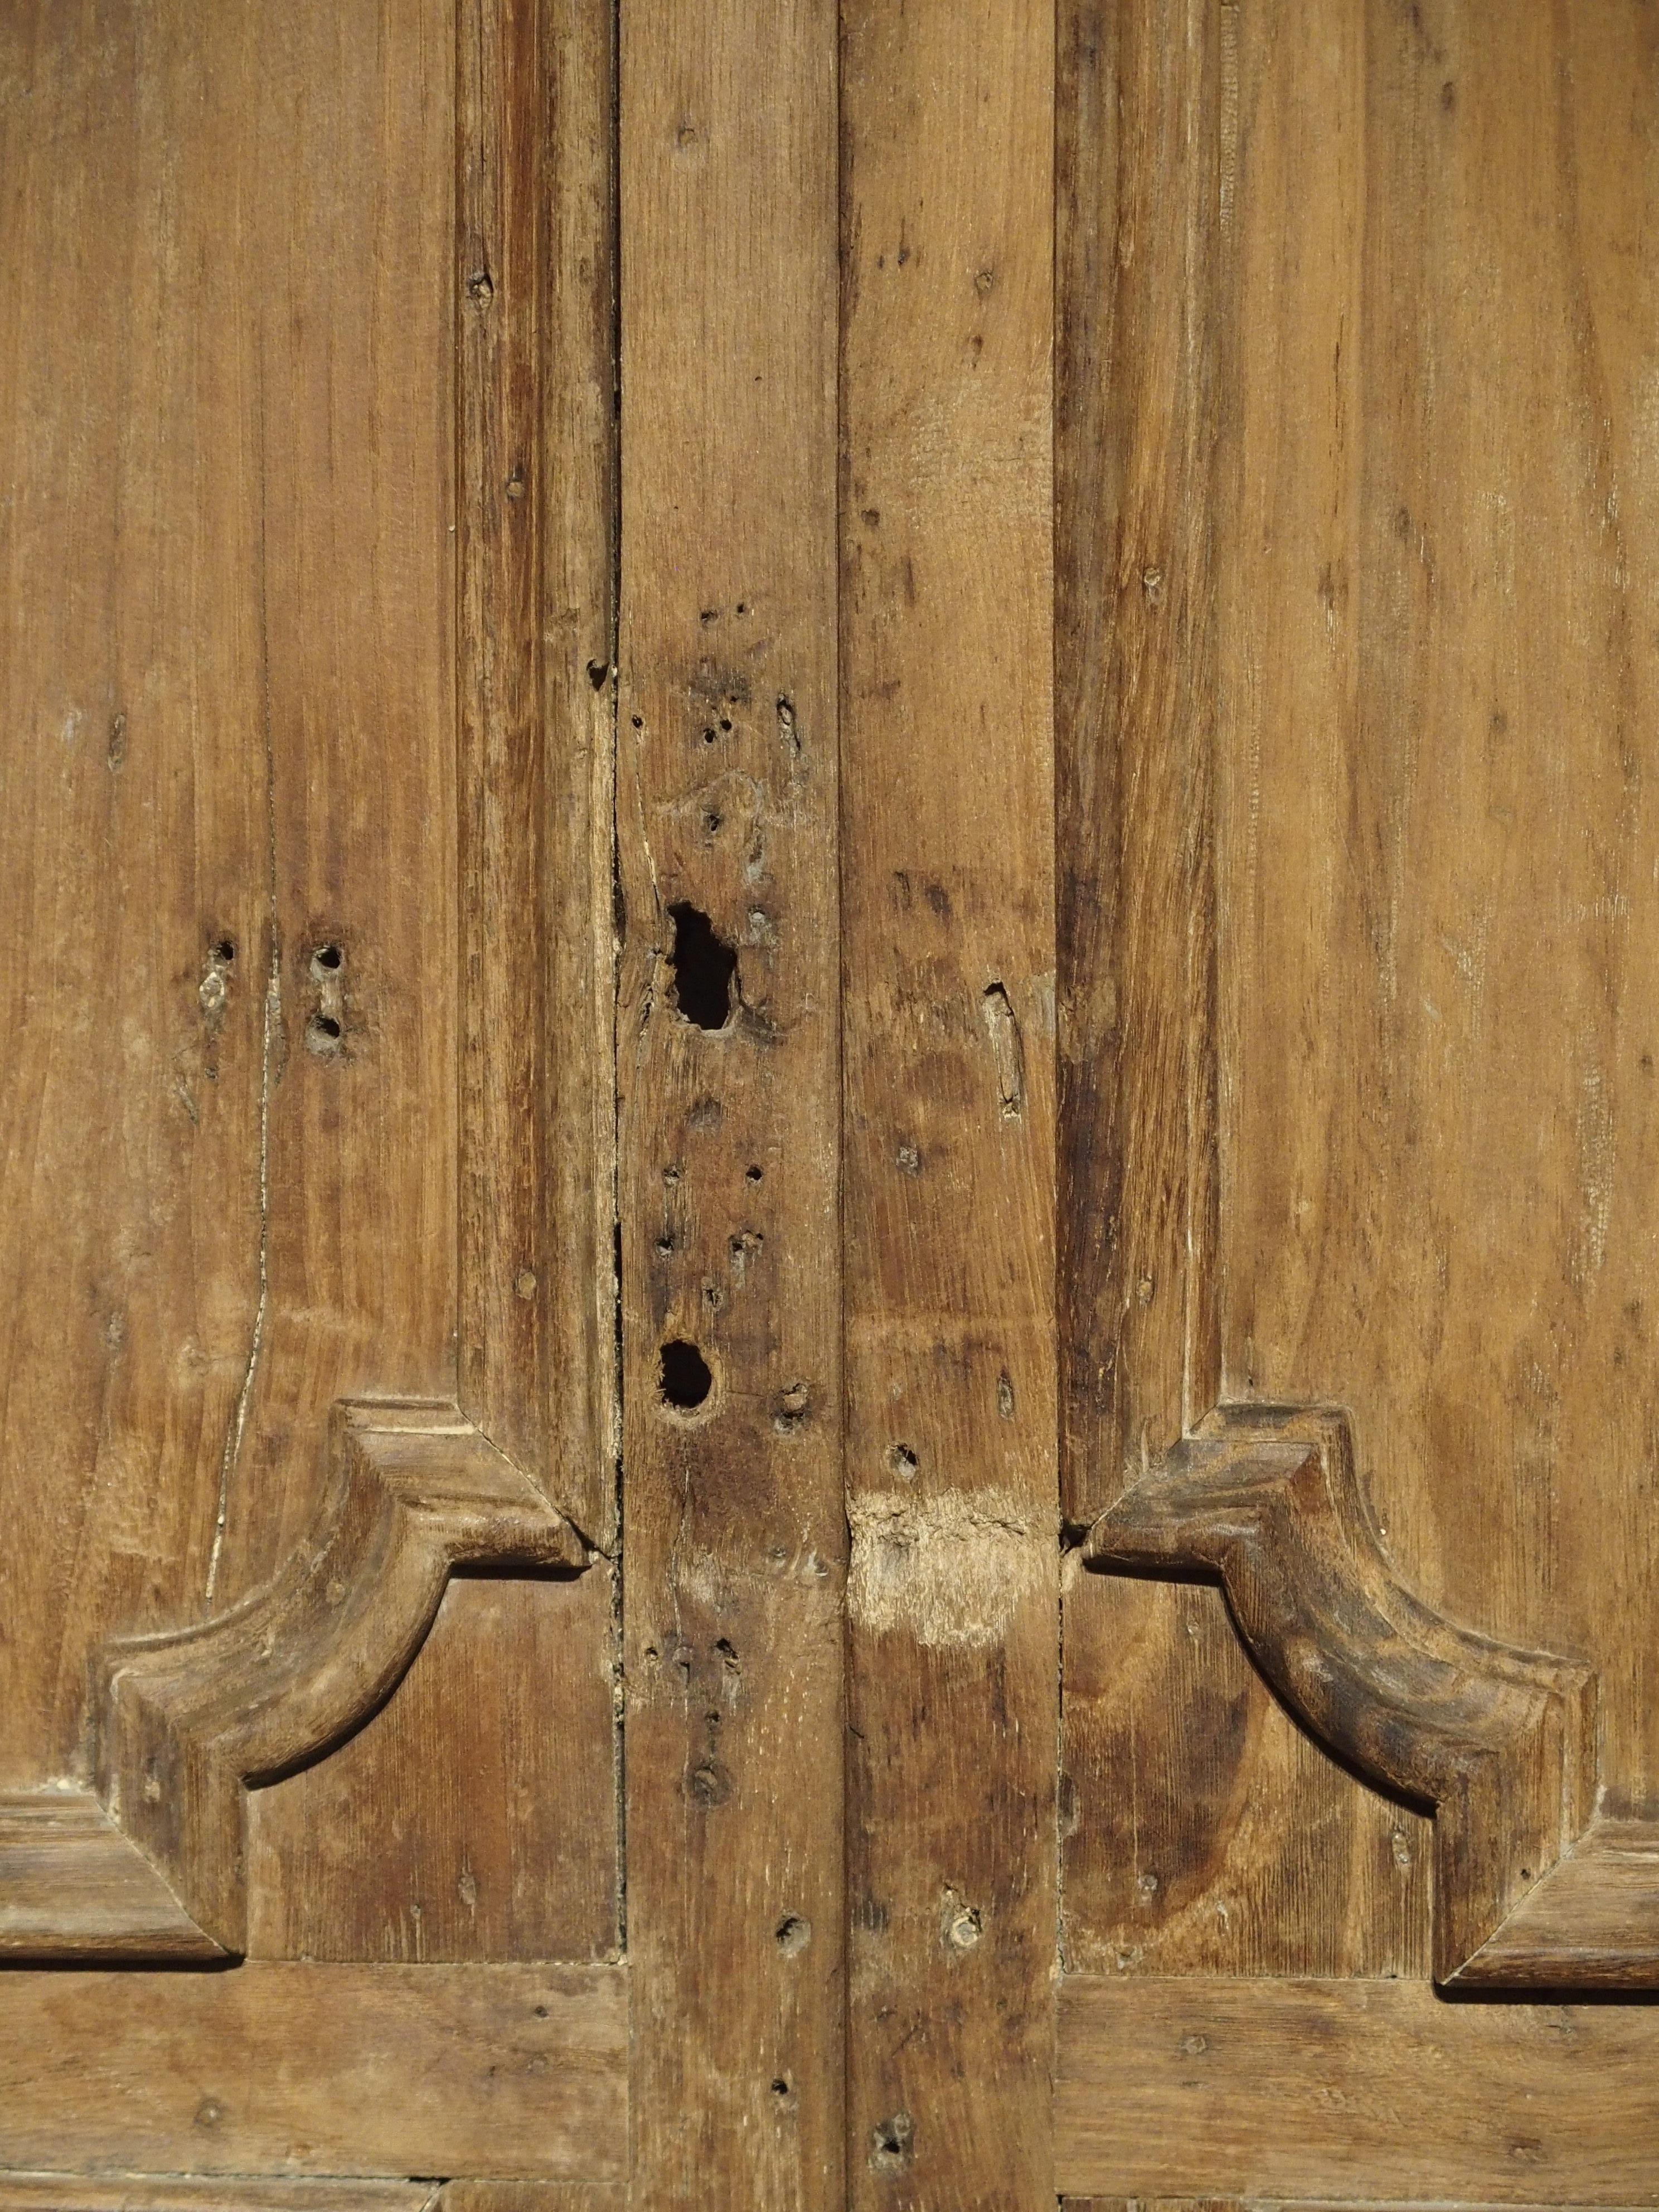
683 1376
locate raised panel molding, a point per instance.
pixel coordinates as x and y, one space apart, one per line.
152 1865
1531 1889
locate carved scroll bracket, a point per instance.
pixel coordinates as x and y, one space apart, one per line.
1531 1889
154 1865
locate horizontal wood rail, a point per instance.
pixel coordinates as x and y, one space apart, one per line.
497 2072
1531 1889
151 1866
1345 2092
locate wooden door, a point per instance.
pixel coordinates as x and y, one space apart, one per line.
828 1133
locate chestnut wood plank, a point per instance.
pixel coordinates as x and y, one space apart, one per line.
1366 2091
237 543
728 1089
948 959
493 2071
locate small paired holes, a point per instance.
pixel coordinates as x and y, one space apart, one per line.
323 1034
327 960
683 1376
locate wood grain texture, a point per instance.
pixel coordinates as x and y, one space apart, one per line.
947 873
186 1719
1260 2204
1437 714
535 505
728 1091
1426 802
494 2071
132 841
507 1848
1371 2090
178 2192
72 1885
1139 149
1204 1831
1501 1742
1228 1843
534 2197
263 218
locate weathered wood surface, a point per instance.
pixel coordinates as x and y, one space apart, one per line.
1378 2091
728 1089
506 1847
1138 145
1437 713
1228 1843
534 2197
177 2192
1433 994
535 511
252 235
492 2071
1501 1742
73 1885
947 877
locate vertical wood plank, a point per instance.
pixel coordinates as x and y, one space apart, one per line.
728 1088
535 500
1138 239
134 879
948 960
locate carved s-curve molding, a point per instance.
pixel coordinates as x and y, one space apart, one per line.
154 1866
1531 1890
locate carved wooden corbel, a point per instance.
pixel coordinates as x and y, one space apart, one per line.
1531 1888
153 1865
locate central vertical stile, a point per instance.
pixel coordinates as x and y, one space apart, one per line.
948 968
729 1101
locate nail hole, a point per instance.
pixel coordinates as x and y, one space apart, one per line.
328 957
323 1034
793 1934
598 674
780 2086
704 965
683 1376
224 952
903 1462
752 1174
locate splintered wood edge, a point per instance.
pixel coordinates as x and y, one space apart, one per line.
153 1866
1531 1890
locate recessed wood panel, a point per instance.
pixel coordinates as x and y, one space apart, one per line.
1438 692
475 1816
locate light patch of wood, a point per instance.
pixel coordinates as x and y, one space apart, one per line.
951 1570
